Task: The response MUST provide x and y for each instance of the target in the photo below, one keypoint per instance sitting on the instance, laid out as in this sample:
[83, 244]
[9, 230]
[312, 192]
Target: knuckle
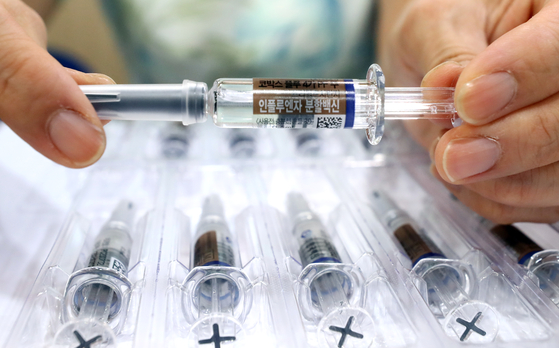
[427, 7]
[515, 190]
[13, 63]
[453, 52]
[426, 29]
[36, 22]
[544, 134]
[498, 213]
[419, 12]
[24, 17]
[494, 211]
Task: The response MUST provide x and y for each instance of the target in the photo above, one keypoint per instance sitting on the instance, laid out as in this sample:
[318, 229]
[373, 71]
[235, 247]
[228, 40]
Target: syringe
[276, 103]
[175, 140]
[214, 247]
[307, 142]
[447, 287]
[216, 294]
[451, 285]
[100, 297]
[330, 293]
[242, 143]
[332, 289]
[544, 264]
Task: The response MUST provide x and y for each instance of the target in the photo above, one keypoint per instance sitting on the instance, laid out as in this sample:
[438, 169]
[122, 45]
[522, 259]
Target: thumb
[42, 103]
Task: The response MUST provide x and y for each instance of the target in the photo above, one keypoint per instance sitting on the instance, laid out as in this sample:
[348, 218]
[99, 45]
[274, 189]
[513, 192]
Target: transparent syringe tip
[212, 207]
[388, 212]
[213, 217]
[297, 205]
[123, 215]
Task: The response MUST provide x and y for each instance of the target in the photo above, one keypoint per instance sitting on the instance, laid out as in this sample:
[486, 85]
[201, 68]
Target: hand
[501, 55]
[39, 99]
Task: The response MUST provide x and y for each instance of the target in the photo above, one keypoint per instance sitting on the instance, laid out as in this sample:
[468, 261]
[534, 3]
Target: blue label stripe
[429, 255]
[218, 263]
[327, 259]
[349, 104]
[527, 257]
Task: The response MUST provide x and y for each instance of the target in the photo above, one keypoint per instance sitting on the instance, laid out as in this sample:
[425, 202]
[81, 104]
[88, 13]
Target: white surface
[35, 195]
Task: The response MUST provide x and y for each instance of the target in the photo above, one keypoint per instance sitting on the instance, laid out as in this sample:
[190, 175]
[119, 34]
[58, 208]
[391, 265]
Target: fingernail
[481, 99]
[436, 68]
[78, 139]
[464, 158]
[433, 147]
[435, 173]
[103, 78]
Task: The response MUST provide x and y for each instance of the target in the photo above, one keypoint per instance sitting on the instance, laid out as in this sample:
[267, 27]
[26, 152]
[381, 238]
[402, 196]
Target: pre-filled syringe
[276, 103]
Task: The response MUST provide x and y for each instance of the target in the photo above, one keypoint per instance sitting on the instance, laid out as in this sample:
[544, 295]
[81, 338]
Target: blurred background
[80, 29]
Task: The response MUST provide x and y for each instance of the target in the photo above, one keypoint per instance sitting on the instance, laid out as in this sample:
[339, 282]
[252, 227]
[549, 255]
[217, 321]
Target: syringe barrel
[323, 103]
[101, 297]
[314, 243]
[184, 102]
[415, 244]
[113, 244]
[516, 242]
[214, 243]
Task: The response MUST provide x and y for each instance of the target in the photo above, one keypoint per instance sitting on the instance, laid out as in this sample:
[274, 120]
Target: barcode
[117, 265]
[329, 122]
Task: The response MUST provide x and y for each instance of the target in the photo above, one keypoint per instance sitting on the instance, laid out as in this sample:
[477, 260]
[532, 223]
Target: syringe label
[116, 265]
[300, 103]
[415, 247]
[211, 250]
[516, 242]
[109, 258]
[318, 249]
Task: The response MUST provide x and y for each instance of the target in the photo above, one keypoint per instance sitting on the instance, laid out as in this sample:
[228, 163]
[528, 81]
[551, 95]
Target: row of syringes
[450, 287]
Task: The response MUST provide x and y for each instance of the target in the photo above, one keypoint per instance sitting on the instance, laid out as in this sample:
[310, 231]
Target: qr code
[117, 265]
[329, 122]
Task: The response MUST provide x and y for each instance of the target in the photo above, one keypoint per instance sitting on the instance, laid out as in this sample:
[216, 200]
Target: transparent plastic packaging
[100, 292]
[523, 315]
[344, 296]
[542, 264]
[92, 284]
[217, 291]
[234, 248]
[450, 285]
